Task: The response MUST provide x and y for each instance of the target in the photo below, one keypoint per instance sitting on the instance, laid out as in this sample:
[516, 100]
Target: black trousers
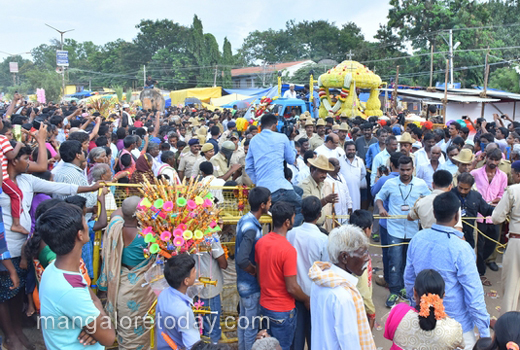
[485, 247]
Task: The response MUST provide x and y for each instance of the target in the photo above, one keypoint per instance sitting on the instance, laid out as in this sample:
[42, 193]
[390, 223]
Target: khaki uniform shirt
[187, 163]
[304, 135]
[316, 142]
[423, 211]
[224, 137]
[509, 206]
[311, 188]
[220, 165]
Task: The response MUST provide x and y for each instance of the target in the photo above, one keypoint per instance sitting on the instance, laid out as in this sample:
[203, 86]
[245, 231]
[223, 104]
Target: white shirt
[311, 245]
[215, 181]
[289, 94]
[114, 150]
[327, 152]
[334, 323]
[304, 172]
[29, 185]
[421, 157]
[156, 166]
[341, 188]
[425, 171]
[380, 159]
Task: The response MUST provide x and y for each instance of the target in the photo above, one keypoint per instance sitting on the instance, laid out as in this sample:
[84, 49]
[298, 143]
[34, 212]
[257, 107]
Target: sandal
[485, 281]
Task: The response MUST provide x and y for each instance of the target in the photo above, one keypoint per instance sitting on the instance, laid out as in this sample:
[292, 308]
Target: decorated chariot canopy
[348, 76]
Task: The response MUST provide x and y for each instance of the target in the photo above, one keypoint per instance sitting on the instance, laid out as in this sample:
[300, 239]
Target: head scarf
[142, 164]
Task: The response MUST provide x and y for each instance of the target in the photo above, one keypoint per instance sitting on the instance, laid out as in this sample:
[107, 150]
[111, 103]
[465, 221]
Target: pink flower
[178, 232]
[147, 230]
[178, 241]
[165, 236]
[168, 206]
[207, 203]
[191, 205]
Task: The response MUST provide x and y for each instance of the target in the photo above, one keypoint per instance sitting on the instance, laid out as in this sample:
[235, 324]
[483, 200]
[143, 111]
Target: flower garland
[432, 300]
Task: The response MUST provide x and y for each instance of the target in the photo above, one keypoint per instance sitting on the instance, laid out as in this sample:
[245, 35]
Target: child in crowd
[364, 220]
[174, 305]
[7, 151]
[210, 264]
[71, 314]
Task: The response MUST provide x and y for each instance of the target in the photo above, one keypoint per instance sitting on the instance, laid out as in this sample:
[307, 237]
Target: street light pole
[62, 68]
[451, 58]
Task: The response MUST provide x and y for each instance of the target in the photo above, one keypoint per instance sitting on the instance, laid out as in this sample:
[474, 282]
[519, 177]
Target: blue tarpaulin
[80, 95]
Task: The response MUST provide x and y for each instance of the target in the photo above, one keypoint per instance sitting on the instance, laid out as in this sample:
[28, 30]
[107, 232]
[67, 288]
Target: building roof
[265, 69]
[503, 95]
[440, 95]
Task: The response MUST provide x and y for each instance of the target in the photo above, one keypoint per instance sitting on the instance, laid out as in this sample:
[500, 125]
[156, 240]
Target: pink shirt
[489, 191]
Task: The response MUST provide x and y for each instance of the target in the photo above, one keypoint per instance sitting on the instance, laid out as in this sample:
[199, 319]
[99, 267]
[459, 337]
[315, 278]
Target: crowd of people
[440, 195]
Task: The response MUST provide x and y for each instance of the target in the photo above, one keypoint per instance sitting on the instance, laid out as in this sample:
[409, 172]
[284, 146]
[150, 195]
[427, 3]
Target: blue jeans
[281, 325]
[303, 328]
[383, 234]
[211, 322]
[247, 330]
[290, 197]
[396, 263]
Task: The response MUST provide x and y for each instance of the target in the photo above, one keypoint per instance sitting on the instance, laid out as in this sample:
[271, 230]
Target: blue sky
[23, 23]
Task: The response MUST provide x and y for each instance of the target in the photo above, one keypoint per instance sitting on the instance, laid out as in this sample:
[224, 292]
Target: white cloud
[23, 26]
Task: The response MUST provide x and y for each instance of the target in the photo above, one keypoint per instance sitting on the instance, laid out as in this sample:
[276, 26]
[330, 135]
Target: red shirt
[276, 259]
[138, 124]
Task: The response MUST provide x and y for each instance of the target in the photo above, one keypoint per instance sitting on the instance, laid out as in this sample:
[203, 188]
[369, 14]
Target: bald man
[425, 170]
[330, 147]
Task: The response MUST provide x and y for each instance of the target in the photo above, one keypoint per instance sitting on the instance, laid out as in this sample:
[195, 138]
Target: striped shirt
[73, 174]
[5, 147]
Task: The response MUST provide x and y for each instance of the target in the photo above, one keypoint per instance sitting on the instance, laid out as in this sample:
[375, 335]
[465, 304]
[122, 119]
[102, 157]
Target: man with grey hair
[267, 343]
[338, 313]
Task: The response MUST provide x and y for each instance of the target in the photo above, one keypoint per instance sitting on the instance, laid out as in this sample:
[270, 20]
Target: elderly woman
[122, 277]
[96, 156]
[102, 172]
[336, 305]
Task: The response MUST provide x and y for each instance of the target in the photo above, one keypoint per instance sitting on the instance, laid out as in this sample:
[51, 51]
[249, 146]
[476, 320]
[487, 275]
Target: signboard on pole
[13, 67]
[62, 58]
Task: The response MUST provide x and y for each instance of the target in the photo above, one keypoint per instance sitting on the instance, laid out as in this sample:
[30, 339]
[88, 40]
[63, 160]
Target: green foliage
[119, 92]
[506, 79]
[128, 95]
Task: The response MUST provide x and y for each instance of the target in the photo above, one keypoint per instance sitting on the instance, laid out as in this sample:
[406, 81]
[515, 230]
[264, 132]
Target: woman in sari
[122, 277]
[143, 170]
[427, 326]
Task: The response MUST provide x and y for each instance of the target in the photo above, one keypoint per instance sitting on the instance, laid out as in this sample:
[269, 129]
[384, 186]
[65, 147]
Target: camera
[288, 127]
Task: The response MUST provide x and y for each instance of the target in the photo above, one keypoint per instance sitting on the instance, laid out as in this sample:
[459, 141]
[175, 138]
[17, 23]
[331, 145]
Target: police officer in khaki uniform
[422, 209]
[231, 126]
[308, 130]
[188, 160]
[509, 206]
[313, 184]
[318, 139]
[221, 162]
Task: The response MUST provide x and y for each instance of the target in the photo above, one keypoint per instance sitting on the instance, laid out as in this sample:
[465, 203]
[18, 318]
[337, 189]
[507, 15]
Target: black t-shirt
[150, 82]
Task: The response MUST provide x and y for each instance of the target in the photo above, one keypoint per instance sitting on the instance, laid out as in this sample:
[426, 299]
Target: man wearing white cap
[126, 116]
[291, 93]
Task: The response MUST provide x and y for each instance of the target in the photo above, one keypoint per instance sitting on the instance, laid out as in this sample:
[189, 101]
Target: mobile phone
[464, 117]
[36, 124]
[503, 116]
